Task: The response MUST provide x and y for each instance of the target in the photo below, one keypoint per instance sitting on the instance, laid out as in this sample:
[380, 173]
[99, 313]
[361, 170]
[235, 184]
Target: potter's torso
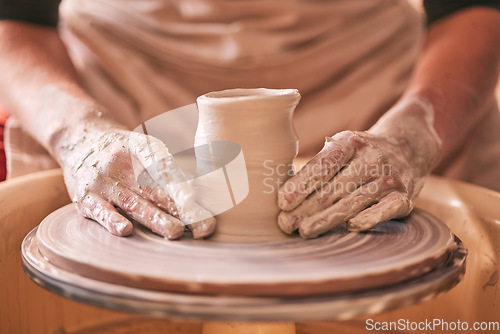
[350, 59]
[141, 58]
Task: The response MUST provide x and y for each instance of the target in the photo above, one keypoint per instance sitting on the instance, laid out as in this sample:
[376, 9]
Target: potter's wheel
[337, 276]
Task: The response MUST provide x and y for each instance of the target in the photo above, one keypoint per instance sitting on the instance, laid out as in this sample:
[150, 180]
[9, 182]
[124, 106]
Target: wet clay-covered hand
[110, 172]
[363, 178]
[99, 157]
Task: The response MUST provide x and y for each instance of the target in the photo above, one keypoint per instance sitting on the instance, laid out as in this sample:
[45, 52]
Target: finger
[322, 198]
[334, 155]
[345, 182]
[347, 207]
[146, 213]
[160, 197]
[158, 165]
[200, 221]
[165, 175]
[105, 214]
[394, 205]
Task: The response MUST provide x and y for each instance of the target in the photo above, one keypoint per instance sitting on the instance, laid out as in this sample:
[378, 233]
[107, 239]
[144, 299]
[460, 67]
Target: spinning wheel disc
[337, 262]
[228, 308]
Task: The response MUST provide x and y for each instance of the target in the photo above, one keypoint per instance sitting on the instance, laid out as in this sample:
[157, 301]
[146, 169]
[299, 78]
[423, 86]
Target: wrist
[77, 129]
[409, 125]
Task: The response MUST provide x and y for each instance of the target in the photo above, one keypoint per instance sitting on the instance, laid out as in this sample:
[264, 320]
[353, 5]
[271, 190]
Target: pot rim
[243, 94]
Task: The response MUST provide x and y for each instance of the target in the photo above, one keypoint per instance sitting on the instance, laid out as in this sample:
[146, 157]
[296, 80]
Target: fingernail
[203, 229]
[287, 222]
[172, 230]
[122, 229]
[354, 226]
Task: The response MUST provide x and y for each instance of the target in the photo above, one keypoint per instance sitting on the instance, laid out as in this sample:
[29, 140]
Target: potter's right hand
[363, 178]
[111, 172]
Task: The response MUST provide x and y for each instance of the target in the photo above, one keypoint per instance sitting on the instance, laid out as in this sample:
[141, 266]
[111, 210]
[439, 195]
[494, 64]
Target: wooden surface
[26, 308]
[337, 262]
[471, 212]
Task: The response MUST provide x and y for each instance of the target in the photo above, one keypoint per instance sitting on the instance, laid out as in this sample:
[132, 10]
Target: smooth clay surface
[337, 262]
[260, 121]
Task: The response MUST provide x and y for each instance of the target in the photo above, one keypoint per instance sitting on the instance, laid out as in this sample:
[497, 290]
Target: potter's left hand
[363, 178]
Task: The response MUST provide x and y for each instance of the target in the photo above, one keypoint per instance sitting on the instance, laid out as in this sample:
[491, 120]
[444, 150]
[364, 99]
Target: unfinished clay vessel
[260, 122]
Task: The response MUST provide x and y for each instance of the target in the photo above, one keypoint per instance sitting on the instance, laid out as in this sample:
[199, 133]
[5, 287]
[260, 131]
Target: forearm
[40, 86]
[456, 74]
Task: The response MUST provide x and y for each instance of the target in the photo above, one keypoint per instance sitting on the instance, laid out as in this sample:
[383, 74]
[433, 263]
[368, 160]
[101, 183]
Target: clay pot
[260, 122]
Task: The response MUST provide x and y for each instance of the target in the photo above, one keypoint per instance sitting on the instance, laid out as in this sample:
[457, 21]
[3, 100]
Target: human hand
[363, 178]
[110, 171]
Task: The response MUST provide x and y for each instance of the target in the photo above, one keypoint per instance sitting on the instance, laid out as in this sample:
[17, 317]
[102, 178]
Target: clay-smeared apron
[350, 59]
